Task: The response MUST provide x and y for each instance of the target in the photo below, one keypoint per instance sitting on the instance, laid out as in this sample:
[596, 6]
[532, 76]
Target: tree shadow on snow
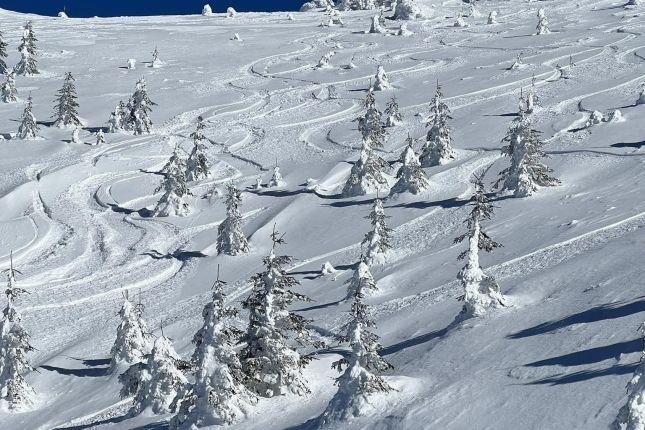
[421, 339]
[92, 372]
[143, 213]
[585, 375]
[179, 254]
[599, 313]
[637, 145]
[591, 355]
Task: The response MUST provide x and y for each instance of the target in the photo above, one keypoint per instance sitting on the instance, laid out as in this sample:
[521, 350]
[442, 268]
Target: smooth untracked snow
[77, 215]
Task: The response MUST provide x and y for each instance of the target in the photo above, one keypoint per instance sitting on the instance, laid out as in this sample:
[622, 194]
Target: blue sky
[86, 8]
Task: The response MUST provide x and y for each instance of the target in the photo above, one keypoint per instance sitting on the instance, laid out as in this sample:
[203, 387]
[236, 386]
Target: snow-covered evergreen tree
[481, 291]
[392, 113]
[230, 237]
[161, 383]
[100, 137]
[118, 119]
[543, 23]
[76, 135]
[361, 280]
[28, 125]
[207, 10]
[276, 178]
[376, 27]
[8, 90]
[371, 124]
[407, 9]
[175, 189]
[631, 415]
[366, 175]
[492, 17]
[66, 109]
[410, 177]
[155, 62]
[527, 172]
[133, 341]
[27, 65]
[218, 396]
[438, 147]
[14, 347]
[377, 240]
[530, 100]
[362, 368]
[139, 108]
[3, 55]
[271, 363]
[197, 163]
[381, 81]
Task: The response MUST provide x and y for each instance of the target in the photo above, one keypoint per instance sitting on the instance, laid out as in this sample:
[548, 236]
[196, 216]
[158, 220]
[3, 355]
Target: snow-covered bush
[324, 61]
[481, 291]
[76, 135]
[62, 14]
[132, 62]
[230, 237]
[376, 26]
[316, 4]
[492, 17]
[155, 63]
[392, 113]
[460, 21]
[230, 12]
[381, 81]
[100, 137]
[197, 163]
[207, 10]
[543, 23]
[276, 178]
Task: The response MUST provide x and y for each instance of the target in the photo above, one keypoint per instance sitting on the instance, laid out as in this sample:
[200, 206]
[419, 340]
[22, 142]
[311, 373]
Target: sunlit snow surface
[572, 262]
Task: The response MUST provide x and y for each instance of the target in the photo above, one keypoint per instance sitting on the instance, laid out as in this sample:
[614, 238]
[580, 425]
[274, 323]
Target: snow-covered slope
[572, 262]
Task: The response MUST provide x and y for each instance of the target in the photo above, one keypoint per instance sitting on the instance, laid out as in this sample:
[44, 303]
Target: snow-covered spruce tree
[366, 175]
[631, 415]
[371, 124]
[276, 178]
[218, 396]
[377, 240]
[376, 27]
[28, 125]
[139, 108]
[361, 280]
[3, 55]
[27, 65]
[8, 90]
[155, 62]
[543, 23]
[175, 190]
[230, 237]
[133, 341]
[271, 363]
[361, 376]
[197, 163]
[438, 147]
[527, 172]
[481, 291]
[207, 10]
[392, 113]
[100, 137]
[382, 82]
[530, 100]
[66, 109]
[118, 119]
[492, 17]
[410, 177]
[161, 383]
[14, 347]
[407, 9]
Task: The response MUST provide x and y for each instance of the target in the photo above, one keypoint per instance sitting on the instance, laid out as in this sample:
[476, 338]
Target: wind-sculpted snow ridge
[80, 216]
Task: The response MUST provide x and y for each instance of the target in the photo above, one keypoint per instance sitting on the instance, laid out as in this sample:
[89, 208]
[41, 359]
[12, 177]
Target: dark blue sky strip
[88, 8]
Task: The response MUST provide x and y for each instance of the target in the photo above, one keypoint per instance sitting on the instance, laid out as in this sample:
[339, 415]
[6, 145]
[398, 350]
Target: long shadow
[95, 129]
[591, 355]
[585, 375]
[322, 306]
[599, 313]
[281, 193]
[45, 123]
[151, 172]
[178, 254]
[83, 373]
[510, 114]
[421, 339]
[348, 203]
[94, 362]
[447, 203]
[636, 145]
[113, 420]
